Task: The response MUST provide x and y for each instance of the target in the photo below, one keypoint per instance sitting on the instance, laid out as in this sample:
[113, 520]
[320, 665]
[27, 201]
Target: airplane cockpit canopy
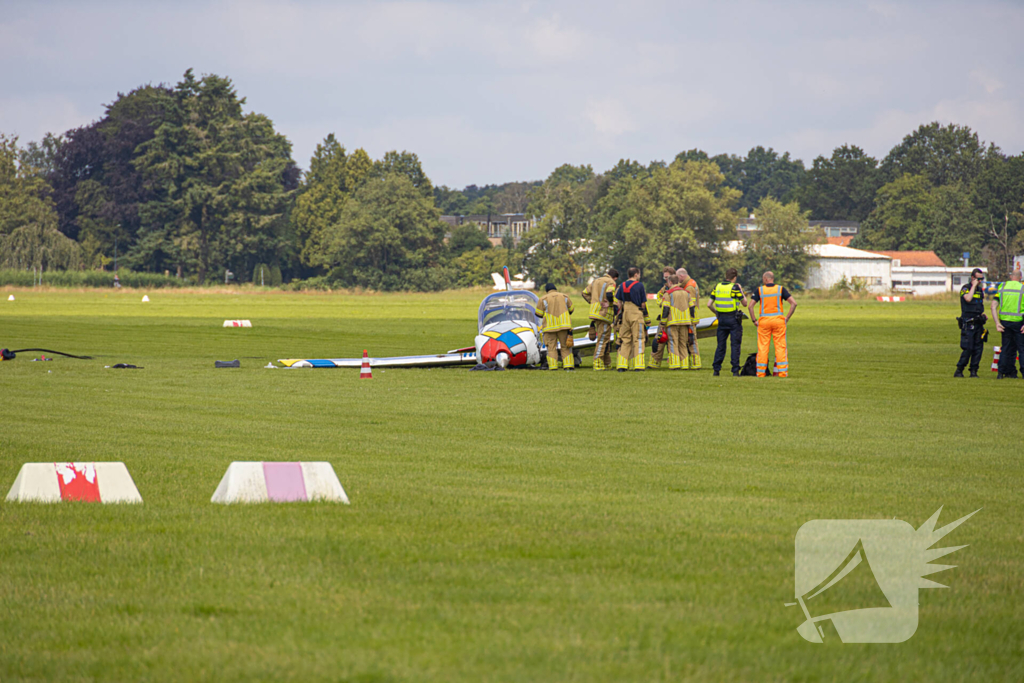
[508, 306]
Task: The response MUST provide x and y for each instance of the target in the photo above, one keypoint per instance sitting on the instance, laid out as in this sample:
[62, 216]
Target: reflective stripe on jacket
[677, 307]
[1010, 296]
[596, 293]
[771, 300]
[556, 308]
[724, 303]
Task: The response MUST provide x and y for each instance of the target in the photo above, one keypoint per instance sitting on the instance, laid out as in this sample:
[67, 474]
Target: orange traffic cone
[365, 372]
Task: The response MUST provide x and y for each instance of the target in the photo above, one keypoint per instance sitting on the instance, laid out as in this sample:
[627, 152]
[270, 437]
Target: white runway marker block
[279, 482]
[237, 323]
[145, 298]
[10, 298]
[95, 482]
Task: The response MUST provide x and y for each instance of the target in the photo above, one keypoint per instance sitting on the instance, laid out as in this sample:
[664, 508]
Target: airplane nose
[502, 359]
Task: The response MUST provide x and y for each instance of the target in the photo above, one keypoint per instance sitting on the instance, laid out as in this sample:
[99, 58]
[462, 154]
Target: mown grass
[524, 526]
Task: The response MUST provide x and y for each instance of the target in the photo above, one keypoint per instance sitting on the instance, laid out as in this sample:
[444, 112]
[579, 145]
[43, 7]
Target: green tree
[942, 154]
[467, 237]
[221, 175]
[911, 214]
[681, 215]
[333, 176]
[24, 196]
[998, 192]
[390, 237]
[900, 217]
[406, 164]
[841, 187]
[450, 202]
[782, 244]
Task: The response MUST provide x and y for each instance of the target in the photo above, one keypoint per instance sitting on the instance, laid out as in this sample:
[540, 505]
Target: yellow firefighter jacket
[596, 294]
[555, 308]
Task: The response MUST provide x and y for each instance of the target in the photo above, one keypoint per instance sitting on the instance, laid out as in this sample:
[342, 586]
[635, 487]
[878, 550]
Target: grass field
[515, 526]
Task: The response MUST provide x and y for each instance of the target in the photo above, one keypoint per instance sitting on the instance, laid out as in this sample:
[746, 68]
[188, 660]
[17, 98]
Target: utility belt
[976, 320]
[728, 314]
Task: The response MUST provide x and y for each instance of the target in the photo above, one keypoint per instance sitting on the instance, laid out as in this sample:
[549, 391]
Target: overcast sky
[492, 92]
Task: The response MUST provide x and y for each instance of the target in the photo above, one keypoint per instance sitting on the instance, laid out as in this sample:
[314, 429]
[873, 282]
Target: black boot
[959, 372]
[974, 373]
[715, 373]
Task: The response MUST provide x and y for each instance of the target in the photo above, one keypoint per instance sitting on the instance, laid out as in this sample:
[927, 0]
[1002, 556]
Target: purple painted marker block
[284, 481]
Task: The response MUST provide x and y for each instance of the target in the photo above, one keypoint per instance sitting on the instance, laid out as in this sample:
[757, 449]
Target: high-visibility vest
[599, 293]
[1010, 296]
[556, 322]
[677, 301]
[724, 303]
[771, 301]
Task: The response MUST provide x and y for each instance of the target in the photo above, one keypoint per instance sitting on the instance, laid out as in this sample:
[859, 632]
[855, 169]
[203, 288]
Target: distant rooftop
[913, 258]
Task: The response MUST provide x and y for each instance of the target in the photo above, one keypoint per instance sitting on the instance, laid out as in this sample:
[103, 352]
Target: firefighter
[556, 308]
[632, 306]
[657, 355]
[725, 301]
[600, 294]
[1009, 320]
[771, 323]
[972, 324]
[693, 353]
[676, 320]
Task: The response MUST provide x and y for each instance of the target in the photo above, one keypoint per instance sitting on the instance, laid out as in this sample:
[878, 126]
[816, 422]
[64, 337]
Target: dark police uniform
[972, 321]
[727, 297]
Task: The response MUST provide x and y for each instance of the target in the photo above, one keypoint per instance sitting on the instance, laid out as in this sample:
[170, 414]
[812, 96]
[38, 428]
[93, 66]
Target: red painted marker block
[78, 481]
[94, 482]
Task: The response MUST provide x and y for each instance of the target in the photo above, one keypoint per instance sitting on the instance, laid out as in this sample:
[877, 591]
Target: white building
[833, 263]
[923, 273]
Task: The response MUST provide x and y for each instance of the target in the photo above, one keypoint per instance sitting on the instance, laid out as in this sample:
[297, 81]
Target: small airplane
[507, 335]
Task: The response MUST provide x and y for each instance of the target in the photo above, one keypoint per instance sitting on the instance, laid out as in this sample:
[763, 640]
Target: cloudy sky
[487, 92]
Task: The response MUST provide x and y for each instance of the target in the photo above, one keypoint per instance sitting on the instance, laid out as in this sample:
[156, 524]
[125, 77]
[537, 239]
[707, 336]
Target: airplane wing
[431, 361]
[706, 327]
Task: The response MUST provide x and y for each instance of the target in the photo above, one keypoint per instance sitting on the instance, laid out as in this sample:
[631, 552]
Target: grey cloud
[488, 92]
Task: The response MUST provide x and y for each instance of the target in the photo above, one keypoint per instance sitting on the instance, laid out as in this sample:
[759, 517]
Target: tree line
[180, 179]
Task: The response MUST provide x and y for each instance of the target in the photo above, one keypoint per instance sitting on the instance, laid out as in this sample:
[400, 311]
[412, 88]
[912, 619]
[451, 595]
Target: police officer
[693, 352]
[632, 303]
[725, 301]
[556, 308]
[1009, 320]
[972, 323]
[600, 294]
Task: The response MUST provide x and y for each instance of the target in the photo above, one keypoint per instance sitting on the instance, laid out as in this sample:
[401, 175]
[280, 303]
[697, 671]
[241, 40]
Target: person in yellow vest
[600, 294]
[771, 323]
[693, 352]
[726, 299]
[556, 310]
[1009, 319]
[632, 302]
[659, 303]
[675, 318]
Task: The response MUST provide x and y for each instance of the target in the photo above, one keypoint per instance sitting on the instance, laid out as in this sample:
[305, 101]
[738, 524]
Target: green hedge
[90, 278]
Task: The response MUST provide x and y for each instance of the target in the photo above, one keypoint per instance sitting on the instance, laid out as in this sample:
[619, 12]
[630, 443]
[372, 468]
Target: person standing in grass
[632, 298]
[693, 352]
[600, 294]
[556, 310]
[972, 323]
[676, 320]
[771, 323]
[725, 301]
[1009, 319]
[659, 304]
